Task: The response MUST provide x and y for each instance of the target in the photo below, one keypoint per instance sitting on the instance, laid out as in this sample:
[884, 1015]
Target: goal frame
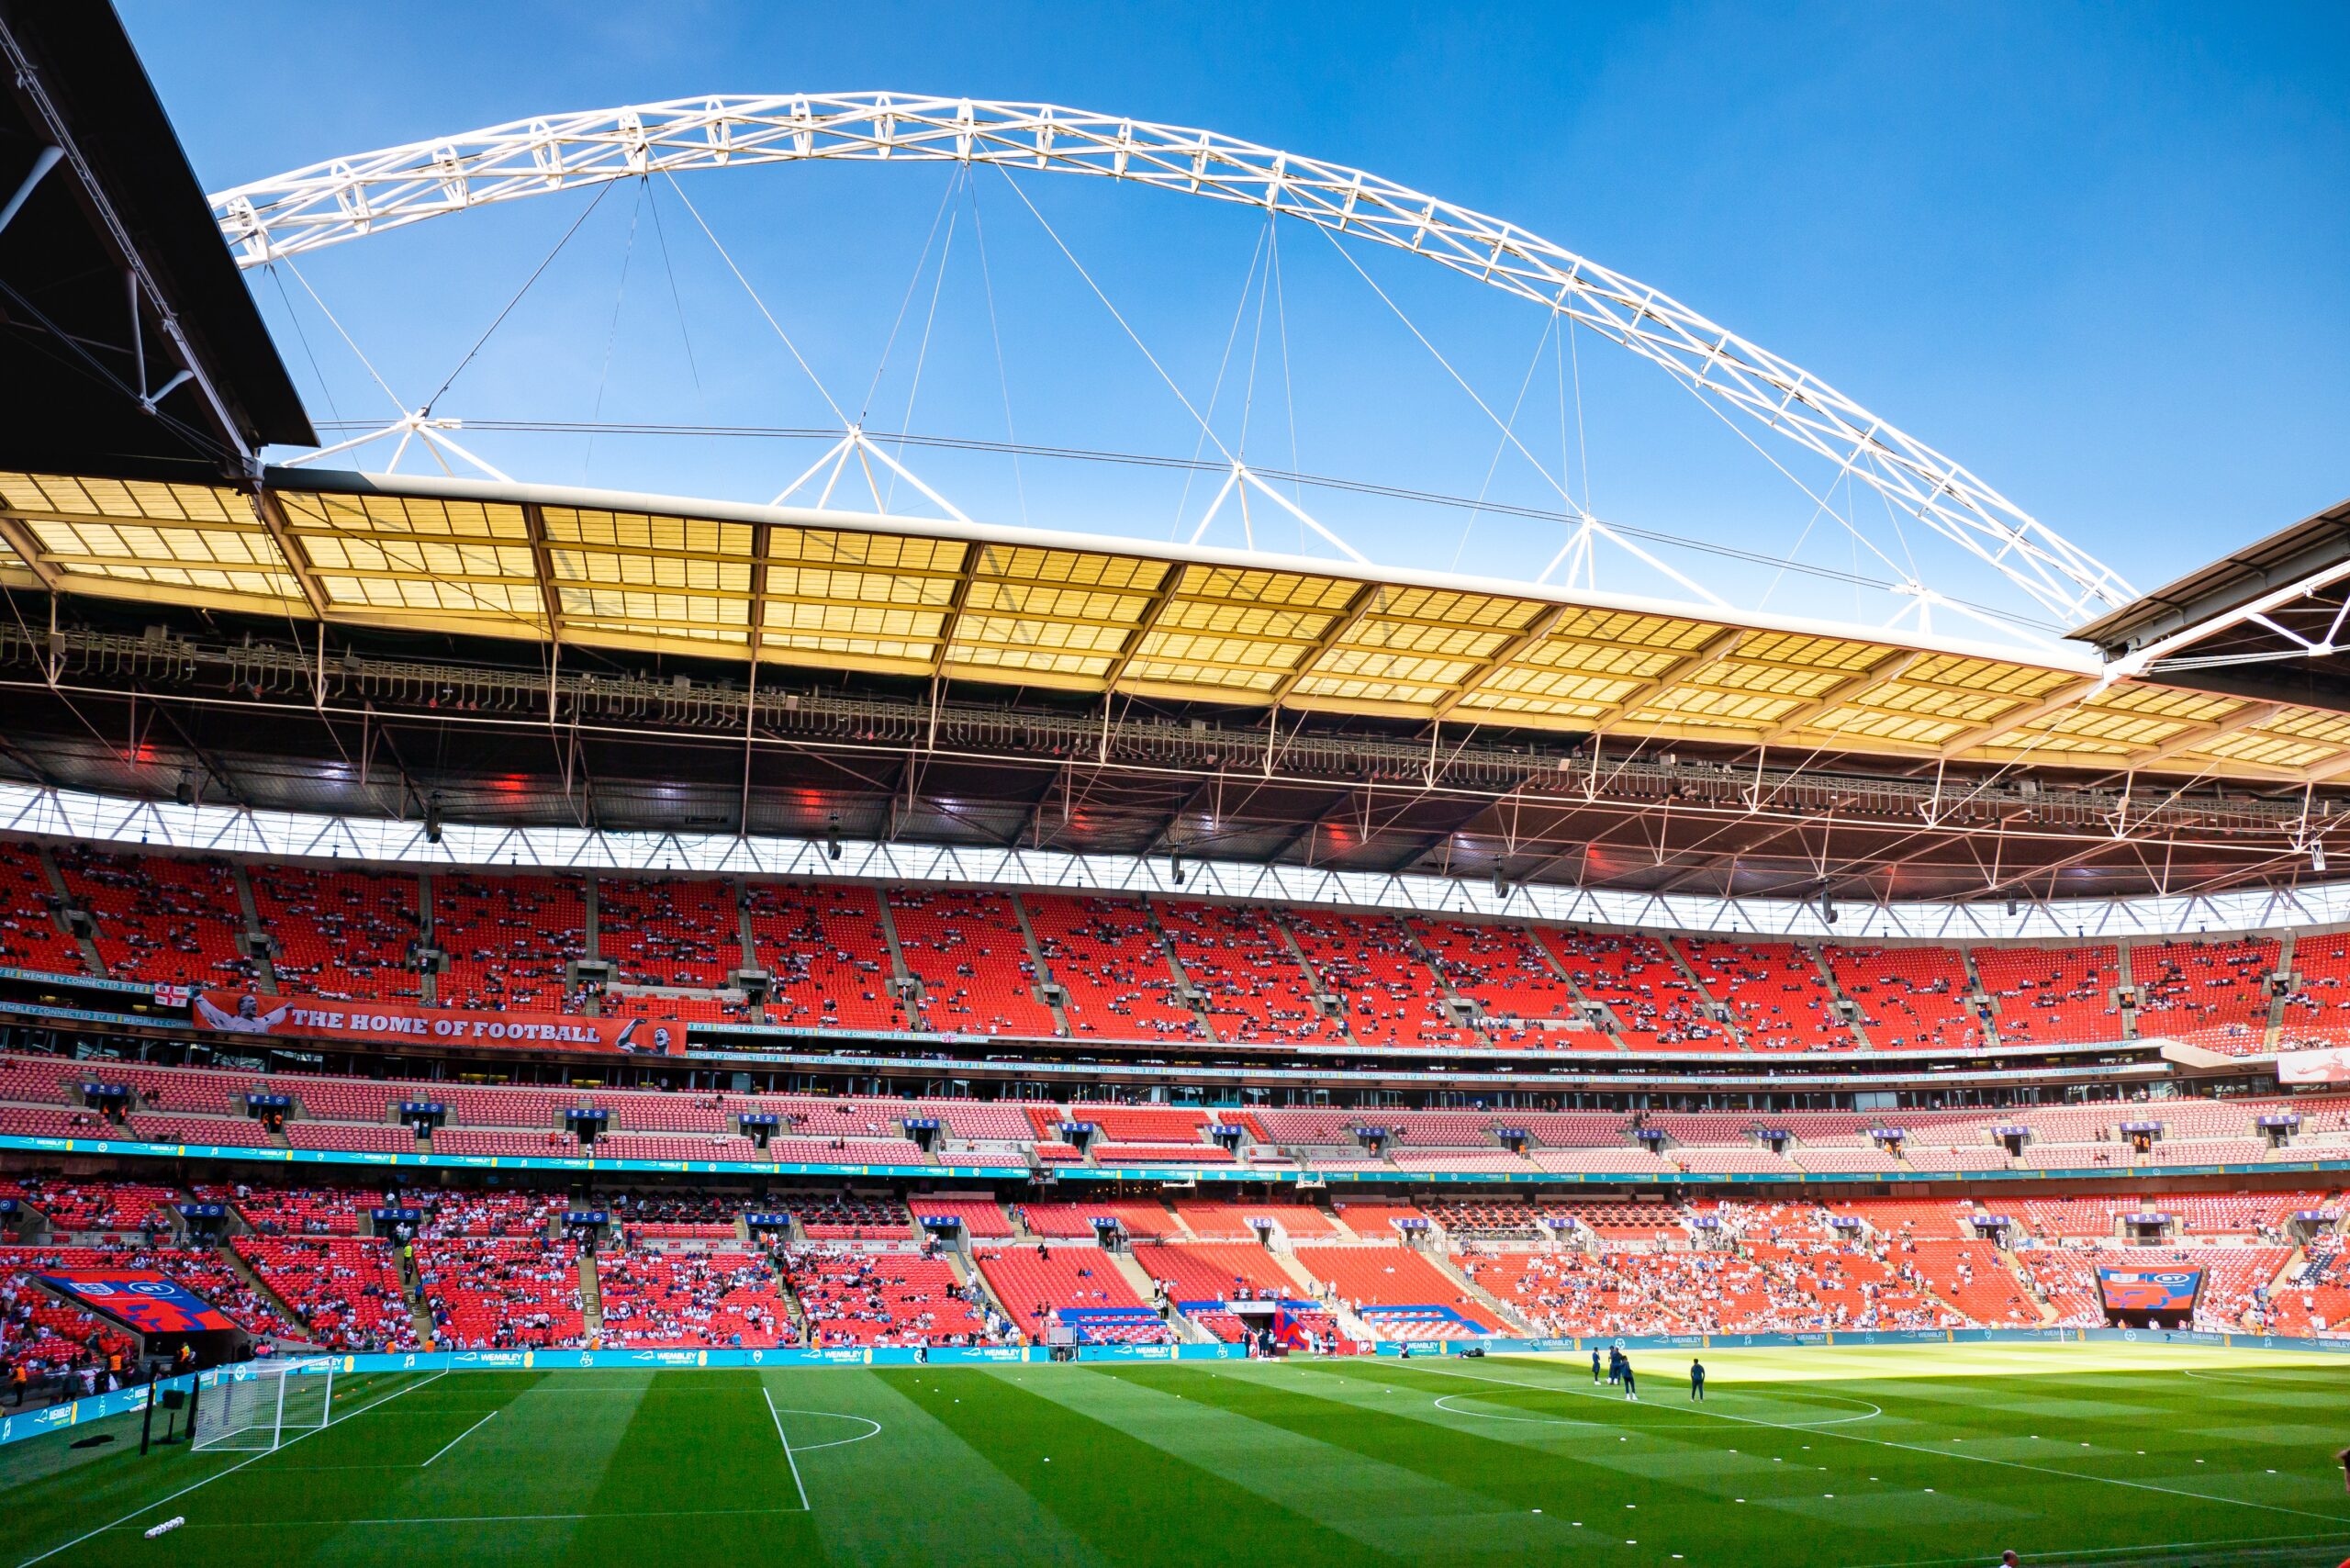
[247, 1410]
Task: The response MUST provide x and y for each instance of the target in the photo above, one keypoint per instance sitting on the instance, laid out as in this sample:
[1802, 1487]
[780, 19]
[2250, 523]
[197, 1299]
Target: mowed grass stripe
[2082, 1508]
[56, 1492]
[1383, 1506]
[694, 1440]
[914, 1495]
[1130, 1504]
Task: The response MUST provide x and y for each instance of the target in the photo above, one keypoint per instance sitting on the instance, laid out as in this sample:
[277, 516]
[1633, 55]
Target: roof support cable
[1216, 395]
[1586, 523]
[612, 332]
[777, 327]
[995, 336]
[536, 273]
[922, 350]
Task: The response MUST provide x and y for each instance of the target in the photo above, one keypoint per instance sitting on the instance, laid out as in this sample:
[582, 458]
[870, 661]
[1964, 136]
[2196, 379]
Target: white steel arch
[345, 199]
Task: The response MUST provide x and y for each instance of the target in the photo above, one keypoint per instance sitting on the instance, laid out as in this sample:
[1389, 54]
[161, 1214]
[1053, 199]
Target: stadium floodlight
[260, 1406]
[833, 837]
[432, 817]
[2317, 856]
[1175, 868]
[1827, 906]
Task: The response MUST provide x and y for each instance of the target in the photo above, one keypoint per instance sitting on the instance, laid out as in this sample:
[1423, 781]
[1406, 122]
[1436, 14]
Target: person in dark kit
[1632, 1387]
[1696, 1380]
[1594, 1366]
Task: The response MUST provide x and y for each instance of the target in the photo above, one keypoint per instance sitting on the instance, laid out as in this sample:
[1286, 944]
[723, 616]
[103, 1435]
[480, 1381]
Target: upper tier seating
[668, 930]
[344, 935]
[507, 939]
[1391, 999]
[1500, 968]
[824, 946]
[1255, 989]
[1654, 1006]
[2319, 1013]
[2213, 994]
[160, 918]
[31, 937]
[1106, 955]
[2052, 995]
[1910, 998]
[1774, 990]
[967, 948]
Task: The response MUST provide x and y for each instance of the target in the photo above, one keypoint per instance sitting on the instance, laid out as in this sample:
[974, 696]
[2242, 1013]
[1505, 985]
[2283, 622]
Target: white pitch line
[873, 1428]
[786, 1448]
[459, 1437]
[2342, 1521]
[145, 1508]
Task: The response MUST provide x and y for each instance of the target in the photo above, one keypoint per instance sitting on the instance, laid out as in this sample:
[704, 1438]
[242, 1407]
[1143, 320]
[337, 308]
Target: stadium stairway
[1146, 1288]
[1475, 1292]
[591, 1297]
[1853, 1017]
[1724, 1016]
[1036, 966]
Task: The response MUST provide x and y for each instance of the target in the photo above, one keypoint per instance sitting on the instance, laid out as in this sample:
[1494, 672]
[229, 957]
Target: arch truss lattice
[346, 198]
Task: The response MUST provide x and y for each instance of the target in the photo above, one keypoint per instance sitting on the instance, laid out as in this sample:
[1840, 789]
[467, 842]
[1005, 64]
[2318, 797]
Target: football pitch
[1914, 1457]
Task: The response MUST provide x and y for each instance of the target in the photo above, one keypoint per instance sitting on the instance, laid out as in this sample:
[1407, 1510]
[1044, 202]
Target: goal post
[262, 1406]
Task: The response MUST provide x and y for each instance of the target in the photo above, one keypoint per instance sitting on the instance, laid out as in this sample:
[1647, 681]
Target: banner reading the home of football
[295, 1017]
[148, 1301]
[2149, 1289]
[2314, 1067]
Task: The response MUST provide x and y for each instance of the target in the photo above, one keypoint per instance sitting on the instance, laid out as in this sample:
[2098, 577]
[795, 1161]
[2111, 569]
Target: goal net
[261, 1406]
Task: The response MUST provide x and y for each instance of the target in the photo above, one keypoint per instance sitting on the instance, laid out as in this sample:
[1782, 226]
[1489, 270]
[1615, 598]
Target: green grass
[1915, 1456]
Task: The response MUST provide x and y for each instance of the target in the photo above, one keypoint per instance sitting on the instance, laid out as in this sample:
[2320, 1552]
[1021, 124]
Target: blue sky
[2096, 254]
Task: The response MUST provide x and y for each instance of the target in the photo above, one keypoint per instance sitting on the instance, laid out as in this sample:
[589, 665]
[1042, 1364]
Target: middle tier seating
[1076, 1285]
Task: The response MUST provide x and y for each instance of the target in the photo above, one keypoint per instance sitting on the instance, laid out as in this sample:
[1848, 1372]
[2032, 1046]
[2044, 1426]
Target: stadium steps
[1819, 961]
[428, 981]
[1718, 1011]
[960, 1263]
[591, 1294]
[265, 965]
[1146, 1290]
[231, 1260]
[1610, 1028]
[1436, 970]
[1184, 987]
[1979, 1001]
[2272, 1035]
[2013, 1265]
[2128, 986]
[91, 961]
[1036, 964]
[1312, 976]
[591, 910]
[1475, 1292]
[750, 945]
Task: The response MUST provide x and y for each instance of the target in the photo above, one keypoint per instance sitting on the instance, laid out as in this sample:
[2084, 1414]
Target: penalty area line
[146, 1507]
[778, 1417]
[459, 1437]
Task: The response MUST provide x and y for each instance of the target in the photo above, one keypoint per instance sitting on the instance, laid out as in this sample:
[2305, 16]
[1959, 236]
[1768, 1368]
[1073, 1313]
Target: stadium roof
[2262, 621]
[173, 372]
[1021, 608]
